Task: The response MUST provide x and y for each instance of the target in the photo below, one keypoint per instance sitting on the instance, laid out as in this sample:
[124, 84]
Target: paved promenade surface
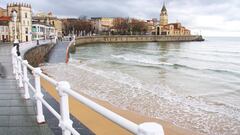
[17, 116]
[58, 53]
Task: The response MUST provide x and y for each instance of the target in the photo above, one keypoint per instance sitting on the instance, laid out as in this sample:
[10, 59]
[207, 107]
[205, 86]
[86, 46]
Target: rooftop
[41, 23]
[5, 18]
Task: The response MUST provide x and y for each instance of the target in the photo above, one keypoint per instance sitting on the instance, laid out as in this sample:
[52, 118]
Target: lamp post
[16, 42]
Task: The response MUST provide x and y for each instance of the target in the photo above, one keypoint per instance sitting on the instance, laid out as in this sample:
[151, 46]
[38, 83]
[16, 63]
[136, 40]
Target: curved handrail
[72, 42]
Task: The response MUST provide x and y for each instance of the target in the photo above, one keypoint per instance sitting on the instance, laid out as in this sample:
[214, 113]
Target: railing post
[65, 121]
[74, 40]
[20, 74]
[16, 67]
[150, 128]
[13, 59]
[38, 96]
[26, 80]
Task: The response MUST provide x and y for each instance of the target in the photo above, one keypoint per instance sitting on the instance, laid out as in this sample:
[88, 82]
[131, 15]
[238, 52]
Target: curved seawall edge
[138, 38]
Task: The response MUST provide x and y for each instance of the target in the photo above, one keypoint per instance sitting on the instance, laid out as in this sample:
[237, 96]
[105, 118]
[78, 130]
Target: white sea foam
[113, 75]
[158, 101]
[141, 59]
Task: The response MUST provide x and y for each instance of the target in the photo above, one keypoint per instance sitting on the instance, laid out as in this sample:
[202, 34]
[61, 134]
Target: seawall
[37, 54]
[136, 38]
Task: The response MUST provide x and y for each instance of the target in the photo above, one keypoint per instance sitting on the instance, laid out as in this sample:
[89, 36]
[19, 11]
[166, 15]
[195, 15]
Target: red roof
[5, 18]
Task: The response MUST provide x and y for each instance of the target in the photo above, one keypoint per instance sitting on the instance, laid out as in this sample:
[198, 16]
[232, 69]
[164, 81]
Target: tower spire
[164, 6]
[164, 15]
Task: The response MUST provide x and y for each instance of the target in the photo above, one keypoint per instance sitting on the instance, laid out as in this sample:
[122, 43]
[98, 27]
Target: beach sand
[102, 126]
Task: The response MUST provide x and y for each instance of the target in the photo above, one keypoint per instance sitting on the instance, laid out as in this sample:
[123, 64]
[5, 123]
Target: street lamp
[16, 42]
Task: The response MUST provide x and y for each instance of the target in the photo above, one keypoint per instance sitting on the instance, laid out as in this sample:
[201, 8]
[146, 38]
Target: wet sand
[102, 126]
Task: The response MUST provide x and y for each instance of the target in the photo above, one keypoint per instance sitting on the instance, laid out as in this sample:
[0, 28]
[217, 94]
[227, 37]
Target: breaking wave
[192, 85]
[155, 62]
[140, 59]
[156, 100]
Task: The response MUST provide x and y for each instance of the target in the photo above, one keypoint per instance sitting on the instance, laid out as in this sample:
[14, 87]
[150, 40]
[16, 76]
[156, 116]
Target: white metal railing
[64, 90]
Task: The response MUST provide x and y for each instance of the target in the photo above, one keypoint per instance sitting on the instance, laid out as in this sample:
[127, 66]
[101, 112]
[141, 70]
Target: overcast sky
[211, 17]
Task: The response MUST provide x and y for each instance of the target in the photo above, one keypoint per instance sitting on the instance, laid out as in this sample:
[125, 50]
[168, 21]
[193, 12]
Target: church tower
[163, 16]
[24, 21]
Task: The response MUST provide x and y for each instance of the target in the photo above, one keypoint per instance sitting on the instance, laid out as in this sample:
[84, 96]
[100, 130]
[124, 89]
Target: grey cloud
[186, 11]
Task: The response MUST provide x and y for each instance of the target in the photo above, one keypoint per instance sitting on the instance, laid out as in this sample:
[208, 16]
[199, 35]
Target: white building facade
[42, 31]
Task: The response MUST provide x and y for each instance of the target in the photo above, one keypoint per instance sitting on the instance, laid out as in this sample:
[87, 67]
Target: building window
[26, 30]
[26, 15]
[34, 29]
[7, 29]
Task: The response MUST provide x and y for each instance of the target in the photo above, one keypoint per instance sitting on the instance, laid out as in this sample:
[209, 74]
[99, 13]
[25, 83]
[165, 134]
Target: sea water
[194, 85]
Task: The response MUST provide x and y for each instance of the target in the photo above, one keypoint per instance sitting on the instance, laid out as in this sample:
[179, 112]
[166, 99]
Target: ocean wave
[186, 51]
[157, 89]
[201, 59]
[152, 100]
[160, 90]
[113, 75]
[225, 71]
[141, 59]
[213, 53]
[156, 63]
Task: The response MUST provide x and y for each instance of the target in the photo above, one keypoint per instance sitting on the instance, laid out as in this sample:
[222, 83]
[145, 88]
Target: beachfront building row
[154, 27]
[25, 29]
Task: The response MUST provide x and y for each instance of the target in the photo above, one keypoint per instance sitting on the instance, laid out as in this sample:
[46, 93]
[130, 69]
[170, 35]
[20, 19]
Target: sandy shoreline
[102, 126]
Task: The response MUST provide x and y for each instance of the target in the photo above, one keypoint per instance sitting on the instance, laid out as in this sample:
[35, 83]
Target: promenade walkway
[17, 115]
[58, 53]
